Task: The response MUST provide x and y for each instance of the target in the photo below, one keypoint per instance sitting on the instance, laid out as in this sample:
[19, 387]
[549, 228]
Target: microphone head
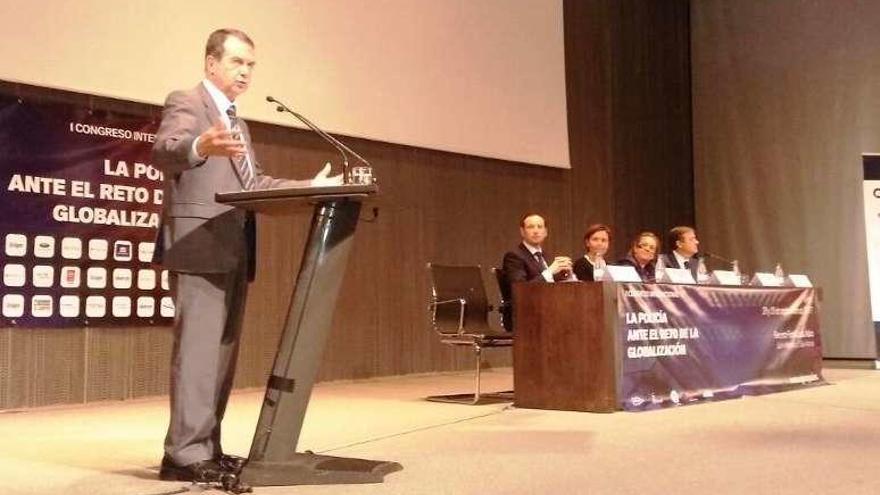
[270, 99]
[279, 108]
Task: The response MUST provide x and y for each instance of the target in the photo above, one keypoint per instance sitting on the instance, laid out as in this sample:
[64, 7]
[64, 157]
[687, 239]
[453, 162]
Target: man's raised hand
[218, 140]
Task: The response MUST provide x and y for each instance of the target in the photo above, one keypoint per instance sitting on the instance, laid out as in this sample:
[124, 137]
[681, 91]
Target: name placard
[766, 279]
[625, 273]
[725, 277]
[798, 280]
[679, 276]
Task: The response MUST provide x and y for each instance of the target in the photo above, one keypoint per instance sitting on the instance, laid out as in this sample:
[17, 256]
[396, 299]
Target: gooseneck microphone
[342, 148]
[707, 254]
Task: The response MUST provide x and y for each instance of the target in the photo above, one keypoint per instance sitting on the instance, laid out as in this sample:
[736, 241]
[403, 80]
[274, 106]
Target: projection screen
[480, 77]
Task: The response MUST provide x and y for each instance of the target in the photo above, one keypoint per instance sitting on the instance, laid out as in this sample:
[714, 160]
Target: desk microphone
[707, 254]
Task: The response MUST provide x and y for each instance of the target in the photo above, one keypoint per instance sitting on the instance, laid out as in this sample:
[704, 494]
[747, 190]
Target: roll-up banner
[79, 211]
[871, 193]
[683, 344]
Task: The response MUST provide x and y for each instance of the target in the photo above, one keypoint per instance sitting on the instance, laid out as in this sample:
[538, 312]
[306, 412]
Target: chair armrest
[433, 307]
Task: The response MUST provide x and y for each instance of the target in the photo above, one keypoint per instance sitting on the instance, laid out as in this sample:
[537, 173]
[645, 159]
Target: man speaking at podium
[203, 148]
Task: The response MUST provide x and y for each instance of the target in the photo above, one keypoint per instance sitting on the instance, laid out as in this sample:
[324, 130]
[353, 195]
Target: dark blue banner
[682, 344]
[80, 210]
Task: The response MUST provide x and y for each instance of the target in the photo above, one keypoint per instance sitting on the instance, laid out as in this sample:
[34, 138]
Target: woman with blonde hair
[643, 255]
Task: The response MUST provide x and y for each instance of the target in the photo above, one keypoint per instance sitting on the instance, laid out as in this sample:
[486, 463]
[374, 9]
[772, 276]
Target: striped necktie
[540, 257]
[242, 163]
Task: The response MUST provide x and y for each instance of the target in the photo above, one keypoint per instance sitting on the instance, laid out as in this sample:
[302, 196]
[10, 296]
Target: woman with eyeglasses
[643, 255]
[596, 241]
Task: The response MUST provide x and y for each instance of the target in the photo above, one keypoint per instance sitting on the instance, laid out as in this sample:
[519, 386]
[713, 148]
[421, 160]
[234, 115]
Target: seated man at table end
[683, 248]
[529, 262]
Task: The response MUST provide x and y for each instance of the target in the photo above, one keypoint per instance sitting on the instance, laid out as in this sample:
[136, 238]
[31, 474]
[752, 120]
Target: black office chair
[505, 309]
[460, 316]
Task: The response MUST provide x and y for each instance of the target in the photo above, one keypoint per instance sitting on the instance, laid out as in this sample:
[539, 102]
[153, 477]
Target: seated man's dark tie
[540, 257]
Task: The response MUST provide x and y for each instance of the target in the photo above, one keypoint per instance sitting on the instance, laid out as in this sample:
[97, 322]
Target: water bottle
[734, 267]
[599, 268]
[779, 274]
[702, 272]
[659, 269]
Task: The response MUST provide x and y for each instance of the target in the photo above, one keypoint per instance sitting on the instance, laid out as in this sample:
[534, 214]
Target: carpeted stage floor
[821, 440]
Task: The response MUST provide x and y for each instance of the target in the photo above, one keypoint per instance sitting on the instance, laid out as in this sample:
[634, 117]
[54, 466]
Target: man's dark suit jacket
[519, 265]
[670, 261]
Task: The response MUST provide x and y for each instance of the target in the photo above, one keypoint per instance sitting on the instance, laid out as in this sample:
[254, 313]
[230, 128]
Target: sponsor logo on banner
[145, 251]
[636, 400]
[166, 307]
[122, 278]
[98, 249]
[14, 275]
[146, 279]
[68, 306]
[96, 306]
[146, 307]
[41, 306]
[122, 251]
[16, 245]
[71, 248]
[70, 277]
[43, 276]
[13, 305]
[44, 246]
[121, 306]
[96, 277]
[675, 397]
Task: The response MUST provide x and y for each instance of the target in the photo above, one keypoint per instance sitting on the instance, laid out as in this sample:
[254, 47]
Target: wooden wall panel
[652, 157]
[629, 128]
[58, 366]
[108, 360]
[148, 370]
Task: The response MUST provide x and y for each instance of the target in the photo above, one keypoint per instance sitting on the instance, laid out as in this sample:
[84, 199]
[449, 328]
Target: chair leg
[478, 354]
[477, 396]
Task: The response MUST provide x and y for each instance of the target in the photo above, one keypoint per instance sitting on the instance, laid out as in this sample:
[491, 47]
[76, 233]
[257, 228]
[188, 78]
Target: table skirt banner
[682, 344]
[80, 207]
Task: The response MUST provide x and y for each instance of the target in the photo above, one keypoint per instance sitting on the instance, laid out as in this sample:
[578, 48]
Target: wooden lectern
[565, 354]
[273, 459]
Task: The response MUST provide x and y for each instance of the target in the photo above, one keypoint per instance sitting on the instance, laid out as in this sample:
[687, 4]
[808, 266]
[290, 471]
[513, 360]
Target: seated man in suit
[528, 262]
[683, 248]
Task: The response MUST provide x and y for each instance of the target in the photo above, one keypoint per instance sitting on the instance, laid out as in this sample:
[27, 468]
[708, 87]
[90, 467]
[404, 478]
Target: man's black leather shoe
[198, 472]
[231, 463]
